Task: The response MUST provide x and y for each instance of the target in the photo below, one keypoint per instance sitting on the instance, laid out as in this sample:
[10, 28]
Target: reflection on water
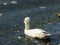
[12, 26]
[32, 41]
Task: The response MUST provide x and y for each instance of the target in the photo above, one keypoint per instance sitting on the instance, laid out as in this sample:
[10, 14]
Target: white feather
[39, 33]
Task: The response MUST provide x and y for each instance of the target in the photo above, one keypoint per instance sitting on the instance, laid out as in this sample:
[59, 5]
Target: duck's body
[35, 33]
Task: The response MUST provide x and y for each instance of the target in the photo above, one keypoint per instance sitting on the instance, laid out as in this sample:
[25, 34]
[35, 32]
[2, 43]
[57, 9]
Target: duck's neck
[27, 26]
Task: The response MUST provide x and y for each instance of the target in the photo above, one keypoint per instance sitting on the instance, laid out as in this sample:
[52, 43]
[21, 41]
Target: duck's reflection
[32, 41]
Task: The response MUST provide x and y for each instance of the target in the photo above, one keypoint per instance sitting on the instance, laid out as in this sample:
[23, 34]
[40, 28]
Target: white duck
[34, 33]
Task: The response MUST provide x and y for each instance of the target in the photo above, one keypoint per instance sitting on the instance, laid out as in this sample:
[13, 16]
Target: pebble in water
[19, 37]
[42, 7]
[17, 31]
[5, 3]
[1, 14]
[58, 15]
[13, 2]
[49, 23]
[58, 44]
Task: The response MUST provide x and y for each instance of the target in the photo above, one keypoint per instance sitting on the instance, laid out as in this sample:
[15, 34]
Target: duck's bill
[49, 34]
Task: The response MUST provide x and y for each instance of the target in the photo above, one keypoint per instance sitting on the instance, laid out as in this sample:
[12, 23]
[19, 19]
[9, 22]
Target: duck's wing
[34, 32]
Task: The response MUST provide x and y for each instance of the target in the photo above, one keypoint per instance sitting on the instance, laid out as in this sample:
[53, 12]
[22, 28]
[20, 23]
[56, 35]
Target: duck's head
[27, 20]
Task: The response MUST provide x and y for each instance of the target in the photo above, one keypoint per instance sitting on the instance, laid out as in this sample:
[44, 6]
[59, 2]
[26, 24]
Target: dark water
[42, 16]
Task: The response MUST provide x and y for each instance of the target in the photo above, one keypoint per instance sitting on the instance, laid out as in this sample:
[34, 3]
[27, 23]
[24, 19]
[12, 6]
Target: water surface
[42, 16]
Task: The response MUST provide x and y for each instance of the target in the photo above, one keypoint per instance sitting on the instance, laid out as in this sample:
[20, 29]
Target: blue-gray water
[11, 21]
